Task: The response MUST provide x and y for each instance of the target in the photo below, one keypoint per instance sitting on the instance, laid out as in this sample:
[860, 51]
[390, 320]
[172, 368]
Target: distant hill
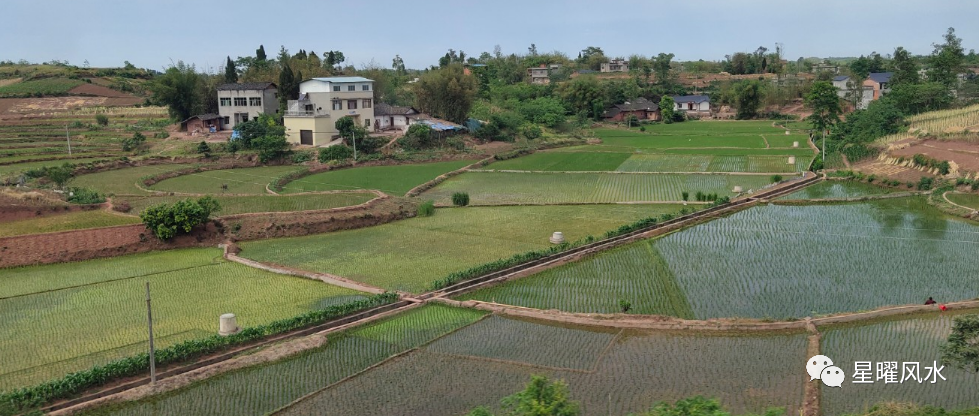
[29, 80]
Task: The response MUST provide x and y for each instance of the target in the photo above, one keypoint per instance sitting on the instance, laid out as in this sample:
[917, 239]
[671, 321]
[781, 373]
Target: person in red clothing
[942, 307]
[930, 301]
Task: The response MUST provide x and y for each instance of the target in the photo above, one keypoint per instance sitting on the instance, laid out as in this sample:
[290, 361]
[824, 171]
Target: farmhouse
[642, 108]
[311, 119]
[615, 65]
[539, 75]
[245, 101]
[696, 104]
[389, 117]
[875, 86]
[203, 123]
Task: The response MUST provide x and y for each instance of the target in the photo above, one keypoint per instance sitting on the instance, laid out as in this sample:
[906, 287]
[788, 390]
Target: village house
[642, 108]
[238, 103]
[311, 120]
[539, 75]
[875, 86]
[692, 104]
[389, 117]
[615, 65]
[204, 123]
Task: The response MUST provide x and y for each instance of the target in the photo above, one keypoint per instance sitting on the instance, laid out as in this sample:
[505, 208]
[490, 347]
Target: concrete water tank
[791, 160]
[738, 189]
[795, 144]
[229, 325]
[557, 237]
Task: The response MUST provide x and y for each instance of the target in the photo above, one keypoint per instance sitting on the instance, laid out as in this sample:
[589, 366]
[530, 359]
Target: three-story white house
[311, 120]
[238, 103]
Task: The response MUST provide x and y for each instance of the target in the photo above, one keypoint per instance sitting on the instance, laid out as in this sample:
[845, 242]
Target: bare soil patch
[98, 91]
[964, 154]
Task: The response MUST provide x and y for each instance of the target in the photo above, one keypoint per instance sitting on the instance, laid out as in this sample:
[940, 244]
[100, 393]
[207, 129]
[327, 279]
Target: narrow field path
[945, 197]
[617, 172]
[323, 277]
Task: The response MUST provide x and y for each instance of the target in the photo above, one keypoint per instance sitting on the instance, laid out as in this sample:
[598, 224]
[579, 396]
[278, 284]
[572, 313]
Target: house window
[337, 105]
[227, 120]
[241, 101]
[366, 87]
[225, 102]
[255, 118]
[366, 103]
[367, 122]
[255, 101]
[336, 88]
[351, 104]
[351, 88]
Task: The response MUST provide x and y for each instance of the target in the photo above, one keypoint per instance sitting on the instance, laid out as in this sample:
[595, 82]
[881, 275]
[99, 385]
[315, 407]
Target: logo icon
[820, 367]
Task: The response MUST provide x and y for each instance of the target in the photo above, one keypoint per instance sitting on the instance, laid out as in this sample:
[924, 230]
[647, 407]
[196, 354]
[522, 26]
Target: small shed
[204, 123]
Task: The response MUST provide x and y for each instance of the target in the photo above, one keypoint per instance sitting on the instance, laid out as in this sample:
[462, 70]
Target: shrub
[102, 119]
[270, 148]
[84, 196]
[59, 175]
[161, 135]
[133, 143]
[426, 209]
[925, 183]
[532, 132]
[975, 186]
[460, 199]
[203, 148]
[625, 305]
[368, 145]
[168, 220]
[303, 156]
[337, 152]
[685, 195]
[642, 128]
[776, 178]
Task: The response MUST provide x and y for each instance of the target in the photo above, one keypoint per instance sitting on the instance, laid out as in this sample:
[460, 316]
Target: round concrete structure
[557, 237]
[229, 325]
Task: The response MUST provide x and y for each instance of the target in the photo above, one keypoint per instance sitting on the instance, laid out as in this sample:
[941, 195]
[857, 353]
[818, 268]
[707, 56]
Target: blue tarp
[440, 126]
[235, 135]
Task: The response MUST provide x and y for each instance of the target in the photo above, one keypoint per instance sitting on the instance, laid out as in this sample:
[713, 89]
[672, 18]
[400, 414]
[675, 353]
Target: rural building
[695, 104]
[468, 68]
[616, 65]
[824, 67]
[642, 108]
[245, 101]
[880, 82]
[312, 118]
[875, 86]
[539, 75]
[389, 117]
[204, 123]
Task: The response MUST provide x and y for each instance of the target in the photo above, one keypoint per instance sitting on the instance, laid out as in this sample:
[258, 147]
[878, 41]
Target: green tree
[230, 72]
[947, 60]
[398, 65]
[250, 130]
[134, 143]
[542, 397]
[694, 406]
[825, 106]
[905, 68]
[961, 350]
[446, 93]
[60, 175]
[102, 120]
[166, 221]
[747, 98]
[180, 89]
[918, 98]
[583, 94]
[345, 125]
[661, 66]
[287, 83]
[204, 149]
[666, 105]
[271, 147]
[260, 55]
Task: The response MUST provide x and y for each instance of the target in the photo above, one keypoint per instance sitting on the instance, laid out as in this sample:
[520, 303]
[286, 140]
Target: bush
[625, 305]
[925, 183]
[59, 175]
[460, 199]
[203, 148]
[685, 195]
[122, 206]
[84, 196]
[270, 148]
[532, 132]
[776, 178]
[303, 156]
[336, 152]
[102, 119]
[426, 209]
[161, 135]
[642, 128]
[168, 220]
[369, 145]
[134, 143]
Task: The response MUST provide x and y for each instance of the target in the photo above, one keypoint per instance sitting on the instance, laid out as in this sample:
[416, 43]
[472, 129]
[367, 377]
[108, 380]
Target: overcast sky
[151, 34]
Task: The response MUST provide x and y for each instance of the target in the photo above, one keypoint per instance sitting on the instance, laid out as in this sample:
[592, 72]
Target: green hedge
[35, 396]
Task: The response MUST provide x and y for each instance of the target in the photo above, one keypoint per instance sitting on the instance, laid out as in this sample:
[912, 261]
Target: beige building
[242, 102]
[615, 65]
[311, 119]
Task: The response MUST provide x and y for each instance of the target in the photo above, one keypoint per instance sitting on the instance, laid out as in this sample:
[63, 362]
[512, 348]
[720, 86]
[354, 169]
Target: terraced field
[67, 317]
[231, 205]
[72, 221]
[838, 190]
[966, 200]
[43, 138]
[915, 340]
[393, 180]
[409, 255]
[504, 188]
[768, 261]
[238, 181]
[608, 372]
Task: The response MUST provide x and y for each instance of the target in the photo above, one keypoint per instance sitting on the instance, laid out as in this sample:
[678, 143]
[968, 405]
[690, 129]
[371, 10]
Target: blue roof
[691, 99]
[841, 78]
[880, 77]
[342, 79]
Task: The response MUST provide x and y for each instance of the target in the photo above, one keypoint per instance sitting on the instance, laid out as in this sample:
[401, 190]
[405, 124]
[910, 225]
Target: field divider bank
[572, 254]
[619, 172]
[230, 255]
[443, 177]
[811, 396]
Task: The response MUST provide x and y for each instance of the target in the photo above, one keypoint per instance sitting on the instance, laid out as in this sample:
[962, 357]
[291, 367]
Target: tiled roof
[245, 86]
[691, 99]
[841, 78]
[340, 80]
[880, 77]
[382, 109]
[204, 117]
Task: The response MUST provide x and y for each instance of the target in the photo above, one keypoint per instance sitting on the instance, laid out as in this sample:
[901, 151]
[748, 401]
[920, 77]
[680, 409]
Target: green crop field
[393, 180]
[67, 317]
[635, 273]
[564, 161]
[409, 255]
[263, 389]
[902, 341]
[500, 188]
[238, 181]
[710, 163]
[123, 181]
[714, 128]
[45, 86]
[72, 221]
[260, 203]
[838, 190]
[767, 262]
[782, 140]
[11, 169]
[607, 373]
[623, 138]
[966, 200]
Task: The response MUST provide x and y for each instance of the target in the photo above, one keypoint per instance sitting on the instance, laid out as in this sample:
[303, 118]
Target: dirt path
[846, 161]
[945, 197]
[324, 277]
[767, 145]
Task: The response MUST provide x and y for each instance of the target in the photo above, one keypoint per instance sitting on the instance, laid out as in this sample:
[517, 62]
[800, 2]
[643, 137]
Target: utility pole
[68, 138]
[353, 138]
[149, 318]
